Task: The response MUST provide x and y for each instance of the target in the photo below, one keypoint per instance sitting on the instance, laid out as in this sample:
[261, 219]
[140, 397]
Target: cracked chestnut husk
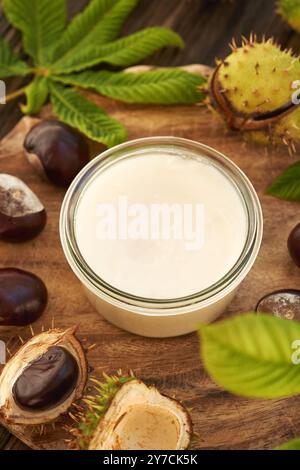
[22, 215]
[293, 244]
[23, 297]
[56, 151]
[43, 379]
[252, 90]
[126, 414]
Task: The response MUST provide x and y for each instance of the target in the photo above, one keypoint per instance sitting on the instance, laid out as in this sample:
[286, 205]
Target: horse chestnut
[281, 303]
[47, 381]
[43, 378]
[22, 215]
[294, 245]
[56, 151]
[23, 297]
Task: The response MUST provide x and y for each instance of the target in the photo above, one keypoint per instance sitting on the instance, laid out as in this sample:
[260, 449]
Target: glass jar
[161, 317]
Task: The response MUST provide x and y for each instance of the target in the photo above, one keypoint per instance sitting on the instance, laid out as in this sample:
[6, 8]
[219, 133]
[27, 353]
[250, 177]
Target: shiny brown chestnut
[56, 151]
[47, 381]
[283, 303]
[293, 244]
[22, 215]
[43, 378]
[23, 297]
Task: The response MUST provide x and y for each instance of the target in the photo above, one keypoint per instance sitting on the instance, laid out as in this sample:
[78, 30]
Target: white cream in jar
[162, 268]
[156, 285]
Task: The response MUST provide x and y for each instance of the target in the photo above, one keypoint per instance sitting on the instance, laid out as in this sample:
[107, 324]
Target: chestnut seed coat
[56, 151]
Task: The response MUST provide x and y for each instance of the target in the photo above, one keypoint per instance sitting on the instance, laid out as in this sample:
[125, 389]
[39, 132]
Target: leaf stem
[15, 94]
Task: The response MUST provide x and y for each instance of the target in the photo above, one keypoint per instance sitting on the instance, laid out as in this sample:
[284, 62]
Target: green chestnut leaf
[36, 94]
[253, 355]
[10, 63]
[57, 49]
[122, 52]
[287, 185]
[167, 86]
[76, 111]
[99, 23]
[294, 444]
[40, 21]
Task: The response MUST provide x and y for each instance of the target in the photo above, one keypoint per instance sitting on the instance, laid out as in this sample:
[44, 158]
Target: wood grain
[222, 421]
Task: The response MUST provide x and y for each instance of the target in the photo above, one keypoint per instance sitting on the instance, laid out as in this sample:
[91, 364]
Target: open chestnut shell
[47, 381]
[126, 414]
[56, 151]
[42, 380]
[141, 418]
[23, 297]
[22, 215]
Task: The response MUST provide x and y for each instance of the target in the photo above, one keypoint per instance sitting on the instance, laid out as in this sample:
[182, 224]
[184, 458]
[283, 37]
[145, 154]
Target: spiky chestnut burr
[253, 91]
[126, 414]
[290, 12]
[43, 379]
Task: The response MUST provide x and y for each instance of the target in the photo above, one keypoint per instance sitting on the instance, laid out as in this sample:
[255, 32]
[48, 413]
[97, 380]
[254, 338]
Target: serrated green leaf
[168, 86]
[252, 355]
[123, 52]
[10, 63]
[40, 21]
[287, 185]
[36, 94]
[75, 110]
[99, 23]
[294, 444]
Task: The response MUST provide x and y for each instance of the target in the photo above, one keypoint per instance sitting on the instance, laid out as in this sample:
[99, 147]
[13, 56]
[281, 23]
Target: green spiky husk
[290, 12]
[258, 76]
[256, 79]
[96, 408]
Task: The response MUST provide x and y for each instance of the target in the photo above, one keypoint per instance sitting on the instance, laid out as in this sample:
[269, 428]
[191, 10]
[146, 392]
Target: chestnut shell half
[43, 401]
[141, 418]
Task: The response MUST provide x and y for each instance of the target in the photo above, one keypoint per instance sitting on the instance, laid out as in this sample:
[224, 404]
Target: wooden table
[206, 26]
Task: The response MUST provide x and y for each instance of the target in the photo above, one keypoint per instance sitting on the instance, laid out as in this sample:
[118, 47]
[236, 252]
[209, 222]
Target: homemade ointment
[162, 268]
[161, 231]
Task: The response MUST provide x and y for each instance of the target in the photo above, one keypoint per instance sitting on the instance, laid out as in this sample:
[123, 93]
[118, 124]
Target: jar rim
[226, 284]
